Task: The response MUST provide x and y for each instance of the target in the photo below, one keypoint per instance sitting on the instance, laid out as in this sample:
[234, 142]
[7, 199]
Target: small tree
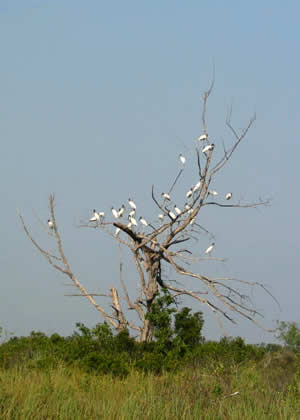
[289, 334]
[158, 244]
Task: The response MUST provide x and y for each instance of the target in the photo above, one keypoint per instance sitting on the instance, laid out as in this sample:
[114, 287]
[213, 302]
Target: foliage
[206, 392]
[289, 334]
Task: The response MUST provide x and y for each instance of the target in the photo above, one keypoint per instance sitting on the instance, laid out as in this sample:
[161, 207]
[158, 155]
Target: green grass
[269, 389]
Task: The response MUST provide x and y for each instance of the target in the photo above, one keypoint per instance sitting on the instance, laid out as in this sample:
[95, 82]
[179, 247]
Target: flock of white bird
[174, 215]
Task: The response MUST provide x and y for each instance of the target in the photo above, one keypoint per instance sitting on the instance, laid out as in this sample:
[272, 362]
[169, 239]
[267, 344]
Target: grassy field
[269, 389]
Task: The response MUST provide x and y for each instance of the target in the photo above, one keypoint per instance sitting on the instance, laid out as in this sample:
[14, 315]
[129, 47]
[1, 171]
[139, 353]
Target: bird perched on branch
[50, 224]
[132, 220]
[197, 186]
[189, 193]
[172, 215]
[203, 137]
[132, 204]
[121, 210]
[208, 148]
[213, 193]
[95, 217]
[210, 249]
[143, 221]
[228, 196]
[177, 210]
[182, 159]
[115, 213]
[166, 196]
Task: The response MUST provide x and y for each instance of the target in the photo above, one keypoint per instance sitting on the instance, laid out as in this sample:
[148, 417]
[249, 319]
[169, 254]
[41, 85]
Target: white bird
[203, 137]
[121, 210]
[132, 221]
[161, 216]
[143, 221]
[192, 221]
[210, 249]
[129, 225]
[115, 213]
[95, 217]
[172, 215]
[190, 211]
[101, 214]
[166, 196]
[182, 159]
[213, 193]
[187, 206]
[228, 196]
[50, 224]
[132, 204]
[208, 148]
[197, 186]
[117, 231]
[132, 213]
[189, 193]
[178, 211]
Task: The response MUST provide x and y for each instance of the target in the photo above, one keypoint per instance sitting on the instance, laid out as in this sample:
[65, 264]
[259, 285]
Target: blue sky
[97, 101]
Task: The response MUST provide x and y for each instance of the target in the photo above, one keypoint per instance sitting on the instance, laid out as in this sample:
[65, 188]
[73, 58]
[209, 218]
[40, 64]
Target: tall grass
[269, 389]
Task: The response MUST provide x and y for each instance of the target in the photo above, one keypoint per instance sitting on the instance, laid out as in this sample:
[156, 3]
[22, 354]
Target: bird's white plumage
[50, 224]
[172, 215]
[121, 211]
[101, 214]
[95, 217]
[210, 249]
[208, 148]
[132, 221]
[197, 186]
[117, 231]
[132, 212]
[166, 196]
[203, 137]
[161, 216]
[228, 196]
[177, 210]
[143, 221]
[189, 193]
[115, 213]
[182, 159]
[132, 204]
[214, 193]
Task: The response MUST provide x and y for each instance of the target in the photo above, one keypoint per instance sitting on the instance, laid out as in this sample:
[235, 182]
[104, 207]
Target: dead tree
[159, 244]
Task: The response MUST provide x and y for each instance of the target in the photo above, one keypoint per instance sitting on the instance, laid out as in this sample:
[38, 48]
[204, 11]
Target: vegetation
[96, 374]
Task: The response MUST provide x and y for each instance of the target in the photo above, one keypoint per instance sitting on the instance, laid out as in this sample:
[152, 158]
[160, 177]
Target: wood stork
[210, 249]
[101, 214]
[132, 213]
[228, 196]
[189, 193]
[172, 215]
[213, 193]
[177, 210]
[117, 231]
[166, 196]
[115, 213]
[143, 221]
[121, 210]
[203, 137]
[197, 186]
[132, 204]
[208, 148]
[50, 224]
[182, 159]
[95, 217]
[132, 220]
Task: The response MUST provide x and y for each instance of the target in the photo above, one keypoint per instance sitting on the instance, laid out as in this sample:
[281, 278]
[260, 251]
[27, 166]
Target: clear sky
[99, 98]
